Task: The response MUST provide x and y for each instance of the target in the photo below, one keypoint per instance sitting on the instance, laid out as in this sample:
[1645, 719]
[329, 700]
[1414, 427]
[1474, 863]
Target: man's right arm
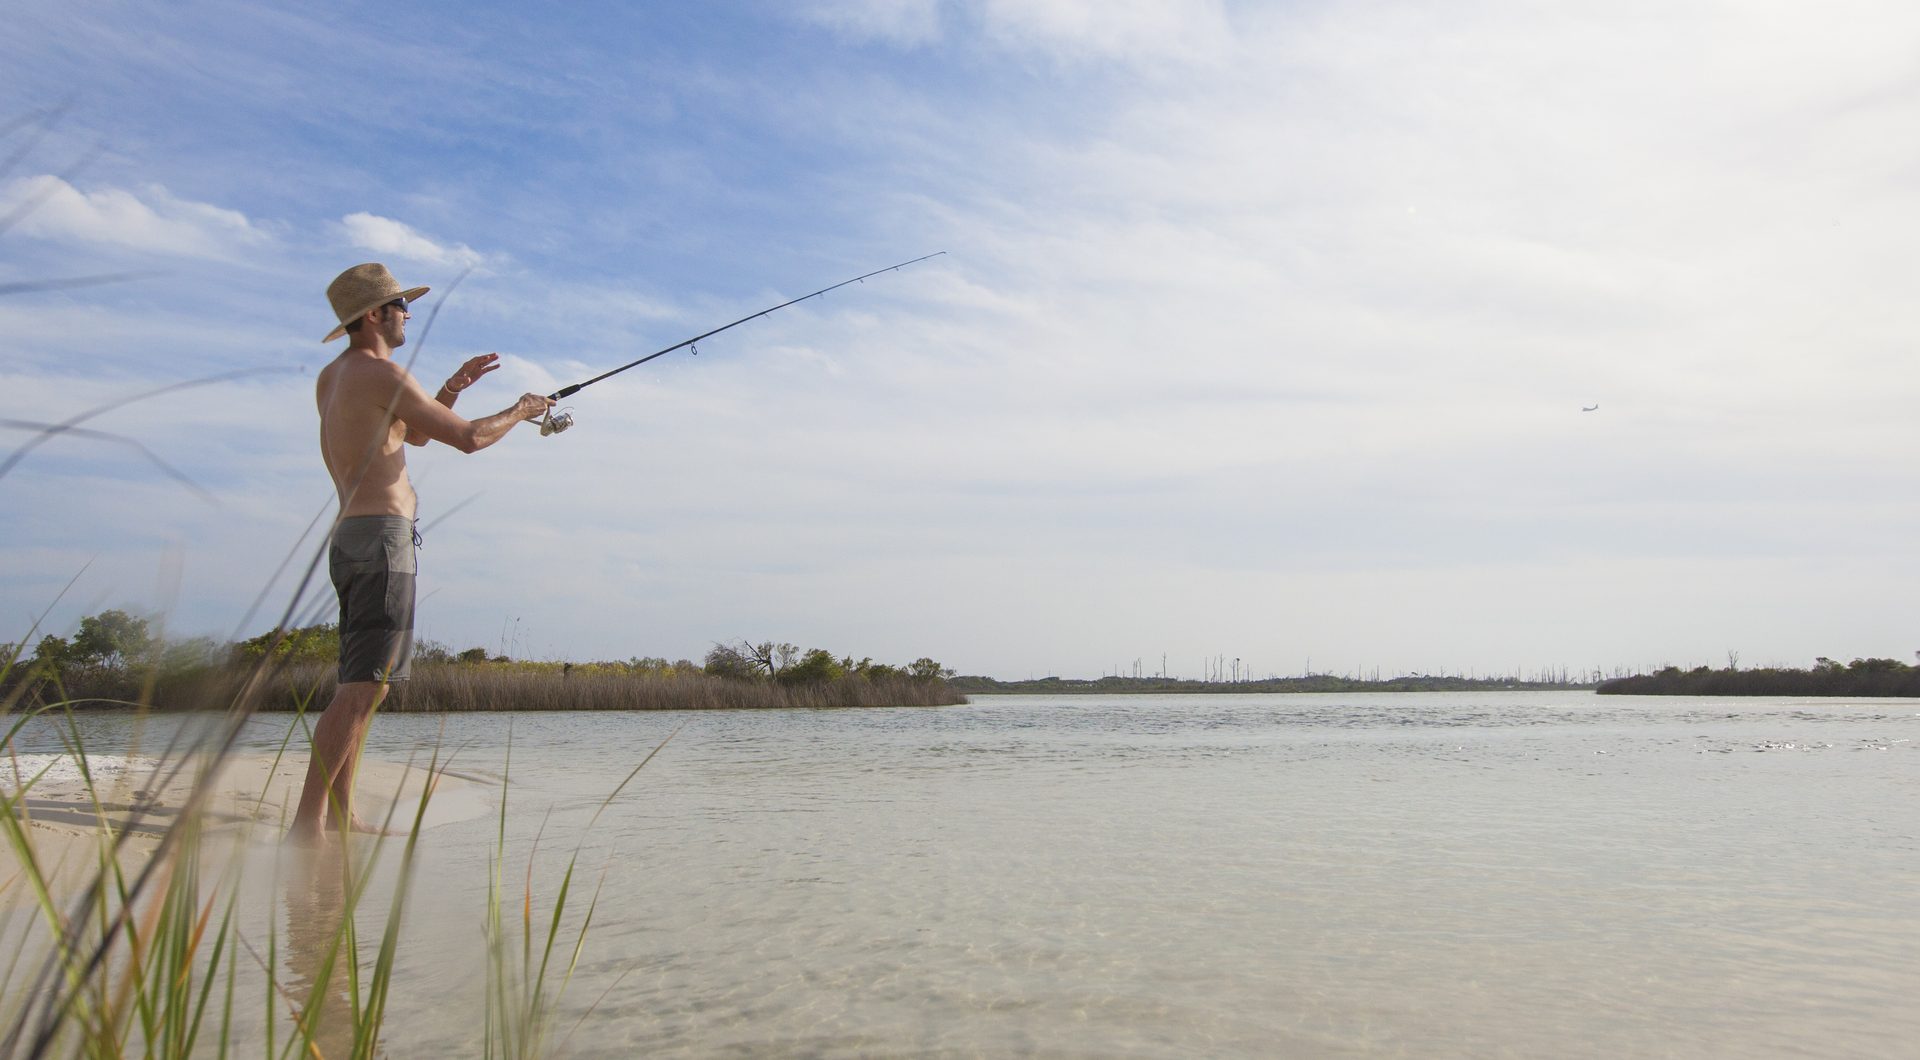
[421, 413]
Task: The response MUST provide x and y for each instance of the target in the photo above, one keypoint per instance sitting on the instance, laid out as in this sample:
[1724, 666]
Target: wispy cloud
[1124, 30]
[388, 237]
[150, 219]
[899, 22]
[1115, 29]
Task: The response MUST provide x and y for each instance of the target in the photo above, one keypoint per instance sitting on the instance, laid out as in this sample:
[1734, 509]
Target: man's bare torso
[363, 443]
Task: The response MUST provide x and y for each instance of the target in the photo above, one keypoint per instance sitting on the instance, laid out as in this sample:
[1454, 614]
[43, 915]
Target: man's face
[393, 323]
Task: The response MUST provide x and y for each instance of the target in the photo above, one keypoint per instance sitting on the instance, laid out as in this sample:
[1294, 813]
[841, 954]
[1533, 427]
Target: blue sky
[1264, 331]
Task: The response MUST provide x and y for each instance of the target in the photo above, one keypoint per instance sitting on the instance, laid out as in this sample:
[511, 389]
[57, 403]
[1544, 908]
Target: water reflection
[316, 883]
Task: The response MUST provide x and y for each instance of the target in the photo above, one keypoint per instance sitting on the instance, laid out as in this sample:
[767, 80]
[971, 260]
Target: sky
[1263, 331]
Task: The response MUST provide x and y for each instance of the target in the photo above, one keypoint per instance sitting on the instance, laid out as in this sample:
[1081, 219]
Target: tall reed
[159, 972]
[147, 960]
[459, 687]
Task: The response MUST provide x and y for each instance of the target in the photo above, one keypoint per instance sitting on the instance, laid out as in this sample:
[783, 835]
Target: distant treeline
[114, 658]
[1308, 683]
[1861, 677]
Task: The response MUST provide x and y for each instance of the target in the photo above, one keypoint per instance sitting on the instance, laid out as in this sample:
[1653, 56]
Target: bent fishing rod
[555, 423]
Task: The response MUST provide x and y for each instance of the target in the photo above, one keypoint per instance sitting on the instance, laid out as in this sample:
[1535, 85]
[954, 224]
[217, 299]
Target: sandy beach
[70, 812]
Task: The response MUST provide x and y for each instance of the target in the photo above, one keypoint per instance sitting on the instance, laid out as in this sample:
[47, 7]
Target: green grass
[145, 960]
[521, 998]
[152, 956]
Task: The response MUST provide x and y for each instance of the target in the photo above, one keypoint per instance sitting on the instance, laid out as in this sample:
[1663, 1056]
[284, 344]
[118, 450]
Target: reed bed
[459, 687]
[469, 688]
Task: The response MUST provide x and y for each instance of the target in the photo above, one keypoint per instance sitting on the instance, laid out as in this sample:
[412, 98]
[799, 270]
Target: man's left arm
[468, 375]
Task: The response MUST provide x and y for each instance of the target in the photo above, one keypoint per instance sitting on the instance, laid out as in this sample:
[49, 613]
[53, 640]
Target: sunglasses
[400, 304]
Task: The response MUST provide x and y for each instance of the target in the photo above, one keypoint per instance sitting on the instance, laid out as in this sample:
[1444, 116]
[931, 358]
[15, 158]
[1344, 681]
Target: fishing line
[554, 422]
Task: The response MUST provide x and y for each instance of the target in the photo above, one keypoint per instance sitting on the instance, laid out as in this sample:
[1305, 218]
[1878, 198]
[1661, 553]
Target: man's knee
[358, 697]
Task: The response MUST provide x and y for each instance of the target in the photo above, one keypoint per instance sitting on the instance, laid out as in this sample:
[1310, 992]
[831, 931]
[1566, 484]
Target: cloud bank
[149, 219]
[390, 238]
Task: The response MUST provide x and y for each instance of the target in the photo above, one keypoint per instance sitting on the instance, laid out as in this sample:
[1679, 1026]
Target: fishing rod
[555, 423]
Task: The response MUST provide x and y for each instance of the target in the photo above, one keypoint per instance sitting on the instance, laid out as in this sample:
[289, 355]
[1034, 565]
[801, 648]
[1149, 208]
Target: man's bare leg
[326, 802]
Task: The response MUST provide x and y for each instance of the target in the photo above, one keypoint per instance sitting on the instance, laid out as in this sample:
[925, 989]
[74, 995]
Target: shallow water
[1473, 874]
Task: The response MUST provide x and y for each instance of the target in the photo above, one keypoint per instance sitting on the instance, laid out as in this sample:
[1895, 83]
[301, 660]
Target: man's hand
[471, 372]
[532, 406]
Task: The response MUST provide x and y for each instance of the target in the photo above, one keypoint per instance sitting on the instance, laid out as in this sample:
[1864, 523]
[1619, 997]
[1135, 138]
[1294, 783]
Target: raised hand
[471, 372]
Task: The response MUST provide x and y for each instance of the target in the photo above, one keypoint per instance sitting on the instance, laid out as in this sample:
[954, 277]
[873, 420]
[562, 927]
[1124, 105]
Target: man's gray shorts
[373, 567]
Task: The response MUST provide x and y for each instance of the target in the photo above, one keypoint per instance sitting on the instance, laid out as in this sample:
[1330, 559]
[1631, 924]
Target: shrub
[317, 643]
[725, 660]
[815, 666]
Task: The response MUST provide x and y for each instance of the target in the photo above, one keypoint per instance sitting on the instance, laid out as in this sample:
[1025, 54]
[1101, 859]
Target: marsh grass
[472, 688]
[153, 954]
[462, 687]
[148, 959]
[156, 958]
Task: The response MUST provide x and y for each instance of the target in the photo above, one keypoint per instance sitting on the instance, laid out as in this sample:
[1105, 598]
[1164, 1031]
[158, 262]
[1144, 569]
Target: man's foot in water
[359, 825]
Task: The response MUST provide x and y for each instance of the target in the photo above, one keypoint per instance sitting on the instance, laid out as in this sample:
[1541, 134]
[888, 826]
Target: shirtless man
[369, 405]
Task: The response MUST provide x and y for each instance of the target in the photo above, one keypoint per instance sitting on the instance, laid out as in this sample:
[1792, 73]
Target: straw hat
[362, 288]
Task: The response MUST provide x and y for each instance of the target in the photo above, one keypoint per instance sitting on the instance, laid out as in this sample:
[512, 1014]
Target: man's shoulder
[354, 368]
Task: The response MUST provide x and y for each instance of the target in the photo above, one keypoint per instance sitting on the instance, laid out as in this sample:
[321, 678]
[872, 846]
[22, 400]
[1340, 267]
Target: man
[369, 405]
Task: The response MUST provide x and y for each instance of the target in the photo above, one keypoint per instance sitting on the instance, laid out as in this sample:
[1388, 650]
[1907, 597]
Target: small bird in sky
[1589, 408]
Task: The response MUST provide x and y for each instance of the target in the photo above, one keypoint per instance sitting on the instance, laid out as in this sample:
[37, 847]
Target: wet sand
[251, 798]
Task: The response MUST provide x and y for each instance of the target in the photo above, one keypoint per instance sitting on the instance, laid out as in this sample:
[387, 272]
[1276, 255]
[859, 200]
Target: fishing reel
[555, 422]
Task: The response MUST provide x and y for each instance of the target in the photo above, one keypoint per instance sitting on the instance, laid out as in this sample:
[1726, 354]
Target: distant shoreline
[1862, 678]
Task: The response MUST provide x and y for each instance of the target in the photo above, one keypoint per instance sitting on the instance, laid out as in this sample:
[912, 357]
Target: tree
[816, 666]
[869, 669]
[112, 639]
[1876, 666]
[725, 660]
[649, 666]
[472, 655]
[770, 657]
[53, 654]
[925, 669]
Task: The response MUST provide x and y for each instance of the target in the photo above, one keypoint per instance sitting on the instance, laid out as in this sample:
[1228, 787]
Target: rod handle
[565, 391]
